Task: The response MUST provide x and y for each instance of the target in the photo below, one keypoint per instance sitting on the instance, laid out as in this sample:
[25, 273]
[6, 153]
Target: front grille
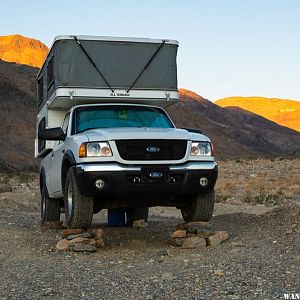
[137, 149]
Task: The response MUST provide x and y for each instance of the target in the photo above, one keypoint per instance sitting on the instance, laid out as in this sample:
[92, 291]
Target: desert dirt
[259, 207]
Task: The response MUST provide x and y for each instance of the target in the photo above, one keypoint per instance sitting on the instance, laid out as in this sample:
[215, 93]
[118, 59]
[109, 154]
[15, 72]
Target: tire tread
[83, 205]
[201, 209]
[52, 207]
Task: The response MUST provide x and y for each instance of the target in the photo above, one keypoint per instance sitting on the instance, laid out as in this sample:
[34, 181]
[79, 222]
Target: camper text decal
[120, 94]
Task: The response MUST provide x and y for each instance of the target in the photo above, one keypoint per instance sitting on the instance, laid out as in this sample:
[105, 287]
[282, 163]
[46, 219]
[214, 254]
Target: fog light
[100, 184]
[203, 182]
[136, 180]
[172, 180]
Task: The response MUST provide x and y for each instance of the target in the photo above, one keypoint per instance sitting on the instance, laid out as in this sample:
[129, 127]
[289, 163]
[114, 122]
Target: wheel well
[64, 171]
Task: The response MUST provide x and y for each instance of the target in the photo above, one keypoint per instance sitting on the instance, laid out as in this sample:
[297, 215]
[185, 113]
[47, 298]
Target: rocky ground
[261, 259]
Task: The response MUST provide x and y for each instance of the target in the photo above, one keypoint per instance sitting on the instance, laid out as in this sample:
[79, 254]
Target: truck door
[56, 160]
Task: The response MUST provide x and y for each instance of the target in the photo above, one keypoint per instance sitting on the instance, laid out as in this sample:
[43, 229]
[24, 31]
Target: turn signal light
[82, 150]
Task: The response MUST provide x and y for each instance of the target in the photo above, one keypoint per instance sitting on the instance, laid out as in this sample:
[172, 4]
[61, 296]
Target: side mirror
[52, 134]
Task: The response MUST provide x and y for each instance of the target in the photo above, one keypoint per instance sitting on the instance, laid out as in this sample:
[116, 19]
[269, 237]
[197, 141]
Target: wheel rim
[70, 200]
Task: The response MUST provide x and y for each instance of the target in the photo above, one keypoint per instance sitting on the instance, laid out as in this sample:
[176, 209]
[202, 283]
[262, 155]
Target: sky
[227, 47]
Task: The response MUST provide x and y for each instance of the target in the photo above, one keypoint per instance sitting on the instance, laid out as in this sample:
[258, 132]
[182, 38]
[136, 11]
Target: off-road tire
[50, 207]
[201, 207]
[78, 207]
[138, 213]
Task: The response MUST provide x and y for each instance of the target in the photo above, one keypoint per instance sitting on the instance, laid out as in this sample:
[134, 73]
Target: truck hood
[110, 134]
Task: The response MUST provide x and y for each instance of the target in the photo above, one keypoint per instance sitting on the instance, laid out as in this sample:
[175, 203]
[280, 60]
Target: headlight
[95, 149]
[201, 148]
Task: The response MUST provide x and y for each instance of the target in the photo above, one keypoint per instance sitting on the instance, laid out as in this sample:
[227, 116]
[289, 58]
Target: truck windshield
[119, 116]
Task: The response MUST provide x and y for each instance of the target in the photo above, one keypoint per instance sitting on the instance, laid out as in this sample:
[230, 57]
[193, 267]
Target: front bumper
[120, 180]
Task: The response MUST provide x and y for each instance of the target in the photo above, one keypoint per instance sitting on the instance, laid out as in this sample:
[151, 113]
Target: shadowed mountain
[17, 115]
[234, 131]
[22, 50]
[284, 112]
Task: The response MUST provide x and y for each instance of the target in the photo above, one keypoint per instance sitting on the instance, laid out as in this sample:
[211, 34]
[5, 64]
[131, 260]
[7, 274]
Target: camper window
[42, 143]
[50, 73]
[40, 90]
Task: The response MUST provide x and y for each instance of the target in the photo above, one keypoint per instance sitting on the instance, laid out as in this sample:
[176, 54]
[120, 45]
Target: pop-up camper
[105, 139]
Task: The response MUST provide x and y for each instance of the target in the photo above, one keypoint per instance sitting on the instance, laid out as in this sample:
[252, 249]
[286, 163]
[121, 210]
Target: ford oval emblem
[155, 175]
[153, 149]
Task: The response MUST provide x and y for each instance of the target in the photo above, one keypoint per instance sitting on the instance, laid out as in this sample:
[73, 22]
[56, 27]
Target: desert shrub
[25, 177]
[266, 197]
[221, 198]
[4, 179]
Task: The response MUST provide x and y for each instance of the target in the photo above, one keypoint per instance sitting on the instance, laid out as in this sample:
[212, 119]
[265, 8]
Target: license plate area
[155, 174]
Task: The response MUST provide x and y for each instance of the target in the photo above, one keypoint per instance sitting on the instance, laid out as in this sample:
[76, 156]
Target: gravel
[261, 259]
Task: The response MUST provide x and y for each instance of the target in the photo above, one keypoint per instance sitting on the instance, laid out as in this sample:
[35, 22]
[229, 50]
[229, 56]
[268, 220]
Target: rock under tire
[50, 207]
[201, 207]
[79, 214]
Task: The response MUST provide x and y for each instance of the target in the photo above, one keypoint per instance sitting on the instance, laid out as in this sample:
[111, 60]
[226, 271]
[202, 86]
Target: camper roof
[97, 68]
[110, 39]
[114, 39]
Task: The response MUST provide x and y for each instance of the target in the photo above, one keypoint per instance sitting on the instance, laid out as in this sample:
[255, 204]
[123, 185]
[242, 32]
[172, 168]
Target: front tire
[50, 207]
[201, 207]
[78, 207]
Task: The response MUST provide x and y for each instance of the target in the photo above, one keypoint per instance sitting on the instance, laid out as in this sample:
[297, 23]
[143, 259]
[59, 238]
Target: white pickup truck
[104, 148]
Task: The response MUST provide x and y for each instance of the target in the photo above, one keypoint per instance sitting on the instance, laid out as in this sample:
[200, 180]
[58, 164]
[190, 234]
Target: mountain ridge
[282, 111]
[235, 132]
[22, 50]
